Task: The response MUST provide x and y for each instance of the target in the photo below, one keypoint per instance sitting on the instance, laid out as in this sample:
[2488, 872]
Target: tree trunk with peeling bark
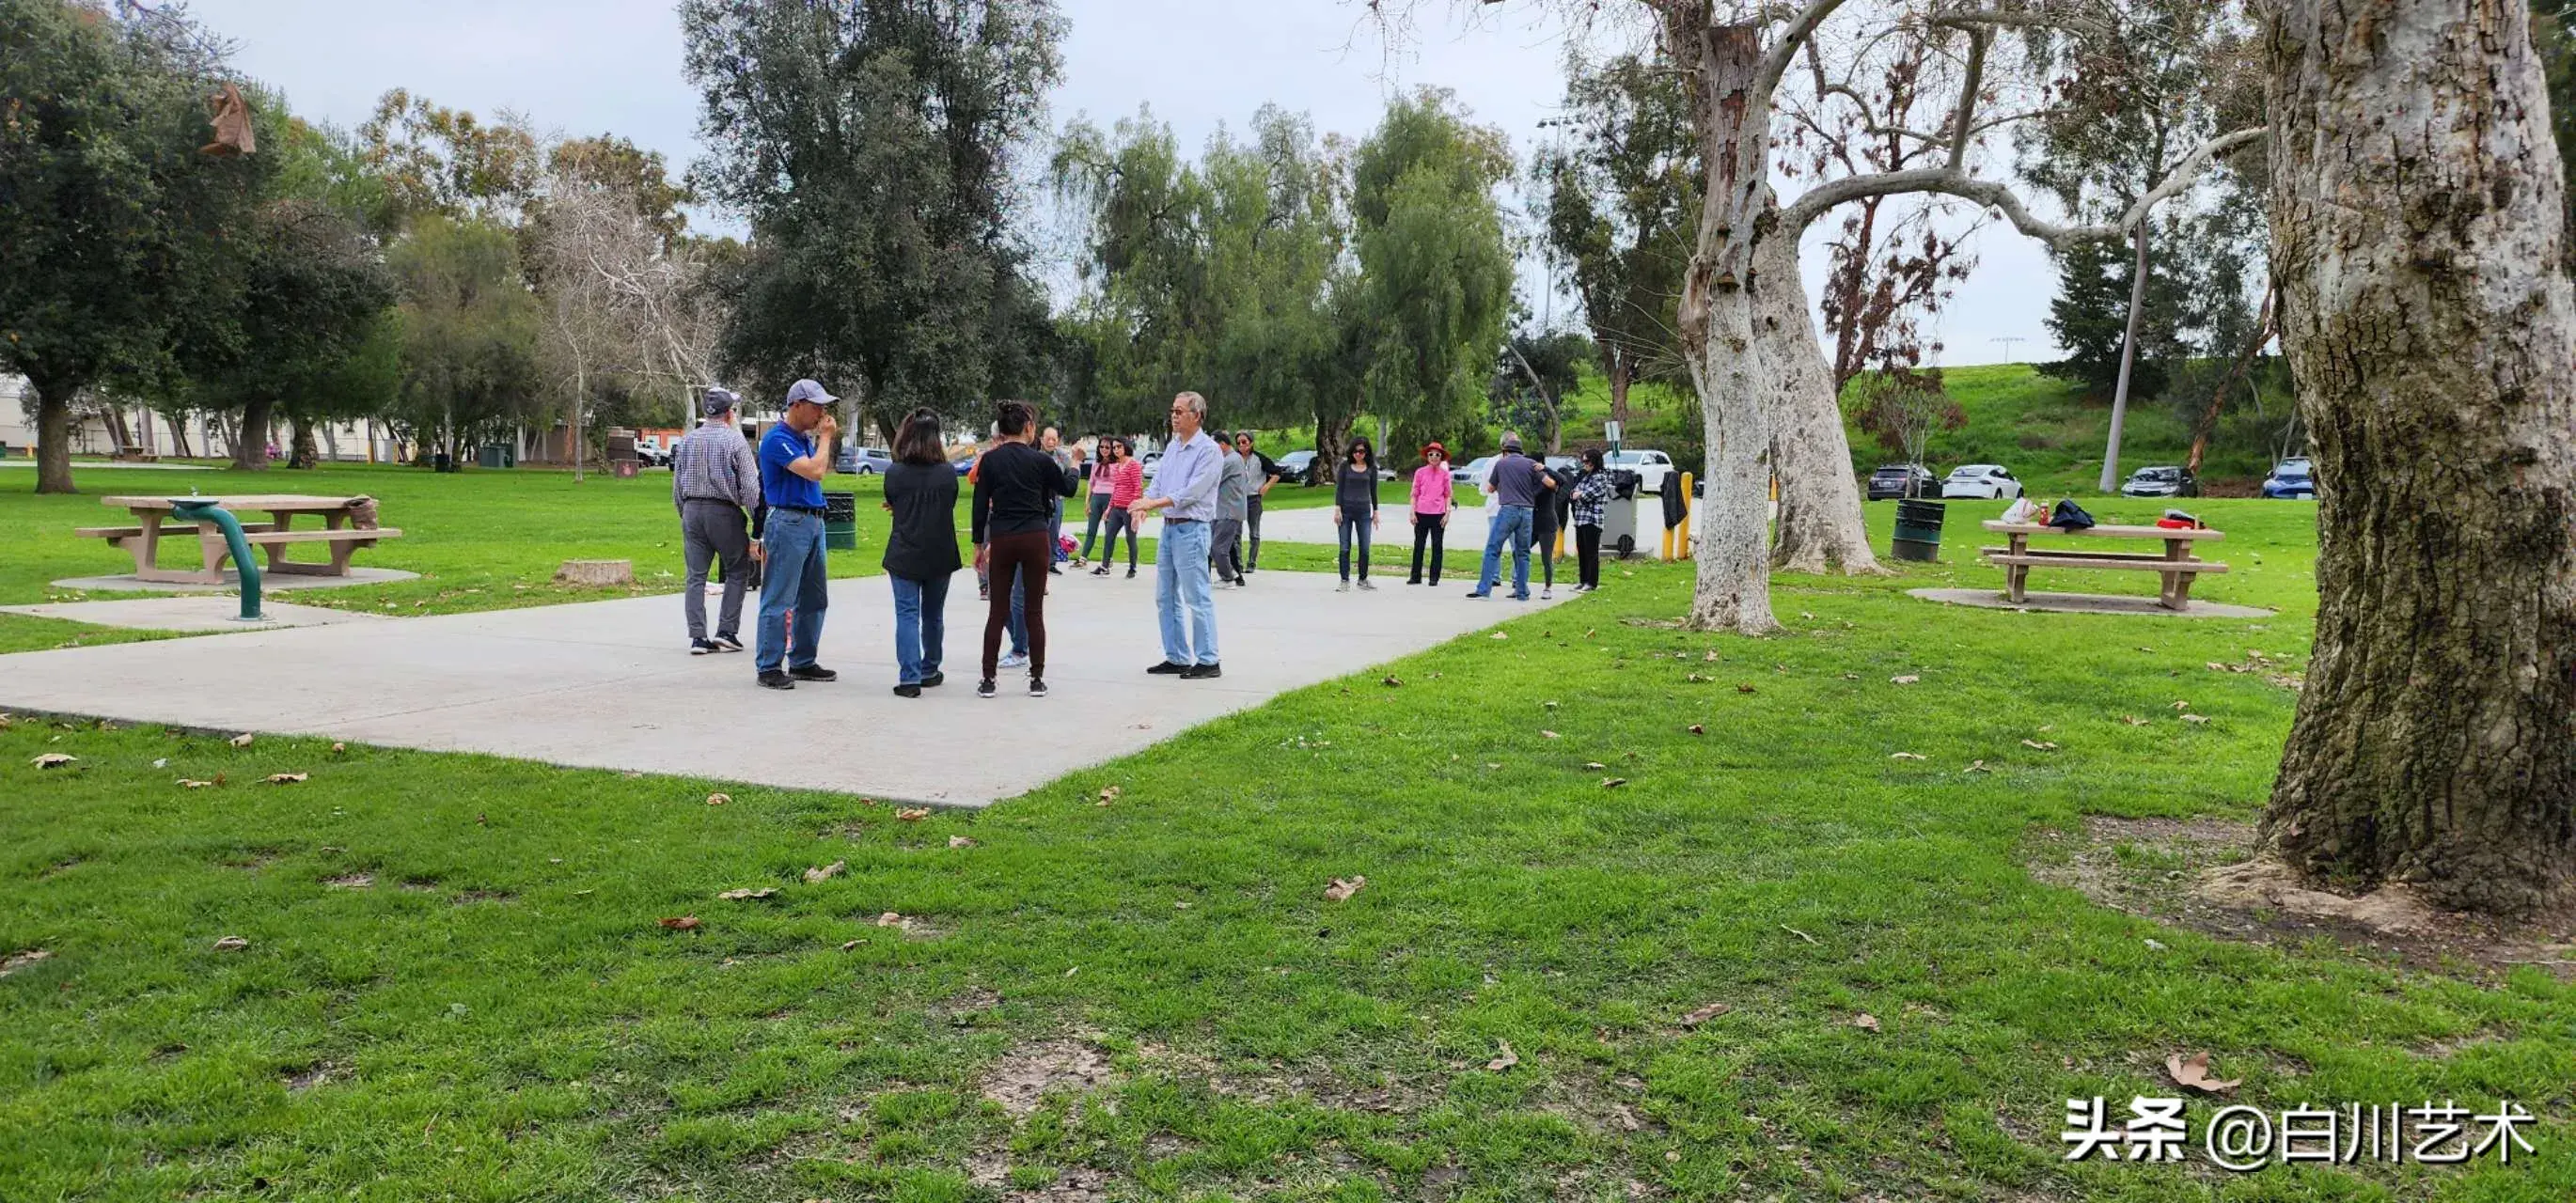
[2416, 232]
[53, 435]
[1821, 526]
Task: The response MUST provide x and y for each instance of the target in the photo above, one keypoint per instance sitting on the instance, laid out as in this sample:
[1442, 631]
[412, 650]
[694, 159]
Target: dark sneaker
[1476, 595]
[934, 680]
[726, 643]
[813, 672]
[777, 680]
[1103, 570]
[984, 688]
[1037, 688]
[1201, 672]
[1169, 669]
[1131, 574]
[907, 690]
[702, 647]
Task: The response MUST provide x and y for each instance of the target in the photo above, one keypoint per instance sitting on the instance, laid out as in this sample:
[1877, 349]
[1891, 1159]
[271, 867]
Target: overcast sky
[613, 66]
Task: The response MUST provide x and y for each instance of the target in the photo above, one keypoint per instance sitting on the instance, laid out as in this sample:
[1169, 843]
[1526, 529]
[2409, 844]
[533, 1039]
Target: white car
[1651, 467]
[1980, 480]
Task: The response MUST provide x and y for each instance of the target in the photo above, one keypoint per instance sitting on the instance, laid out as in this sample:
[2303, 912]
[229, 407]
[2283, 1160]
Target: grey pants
[710, 530]
[1225, 548]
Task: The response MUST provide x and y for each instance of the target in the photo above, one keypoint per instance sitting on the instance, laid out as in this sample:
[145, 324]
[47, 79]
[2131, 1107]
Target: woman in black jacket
[921, 552]
[1355, 508]
[1016, 488]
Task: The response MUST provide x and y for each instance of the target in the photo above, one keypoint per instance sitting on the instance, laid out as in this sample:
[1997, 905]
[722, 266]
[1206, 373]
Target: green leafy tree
[469, 333]
[430, 159]
[1531, 378]
[113, 219]
[873, 147]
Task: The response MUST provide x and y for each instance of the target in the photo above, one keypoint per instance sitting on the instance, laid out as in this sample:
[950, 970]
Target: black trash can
[442, 462]
[841, 521]
[1918, 530]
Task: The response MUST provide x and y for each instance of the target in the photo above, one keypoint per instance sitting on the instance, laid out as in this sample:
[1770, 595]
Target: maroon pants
[1028, 555]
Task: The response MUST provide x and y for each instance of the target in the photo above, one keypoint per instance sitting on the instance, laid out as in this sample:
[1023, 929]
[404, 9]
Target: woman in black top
[1355, 508]
[1016, 488]
[921, 552]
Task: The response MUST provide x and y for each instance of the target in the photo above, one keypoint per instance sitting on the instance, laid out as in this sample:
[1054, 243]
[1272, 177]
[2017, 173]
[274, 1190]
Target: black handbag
[2069, 516]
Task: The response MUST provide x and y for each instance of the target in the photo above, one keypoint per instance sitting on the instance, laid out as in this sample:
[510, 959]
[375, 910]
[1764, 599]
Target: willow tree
[2432, 334]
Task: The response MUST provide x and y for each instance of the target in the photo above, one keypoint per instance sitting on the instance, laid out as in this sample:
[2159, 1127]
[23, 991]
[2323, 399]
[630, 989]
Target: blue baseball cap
[807, 390]
[719, 402]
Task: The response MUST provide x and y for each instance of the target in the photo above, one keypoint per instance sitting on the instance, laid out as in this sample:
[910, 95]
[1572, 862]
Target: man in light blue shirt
[1184, 487]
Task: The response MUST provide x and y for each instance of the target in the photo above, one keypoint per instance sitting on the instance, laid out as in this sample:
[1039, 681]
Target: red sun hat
[1433, 445]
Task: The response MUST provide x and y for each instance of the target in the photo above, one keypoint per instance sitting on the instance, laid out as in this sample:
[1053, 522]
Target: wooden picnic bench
[152, 525]
[2177, 563]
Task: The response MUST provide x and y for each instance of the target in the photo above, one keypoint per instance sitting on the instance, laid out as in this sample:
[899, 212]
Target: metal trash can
[490, 456]
[1918, 530]
[841, 521]
[442, 462]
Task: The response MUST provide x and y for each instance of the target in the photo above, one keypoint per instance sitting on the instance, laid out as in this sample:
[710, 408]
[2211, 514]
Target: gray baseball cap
[807, 390]
[719, 402]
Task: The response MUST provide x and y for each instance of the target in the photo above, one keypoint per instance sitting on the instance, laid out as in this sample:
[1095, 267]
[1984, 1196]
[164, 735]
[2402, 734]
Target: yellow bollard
[1682, 533]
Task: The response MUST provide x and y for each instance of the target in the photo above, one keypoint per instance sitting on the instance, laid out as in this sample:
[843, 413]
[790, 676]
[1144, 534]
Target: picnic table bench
[338, 532]
[2177, 564]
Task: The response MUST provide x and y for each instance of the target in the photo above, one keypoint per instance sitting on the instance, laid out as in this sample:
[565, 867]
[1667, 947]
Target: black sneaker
[726, 643]
[934, 680]
[777, 680]
[1131, 574]
[907, 690]
[702, 647]
[984, 688]
[813, 672]
[1103, 570]
[1037, 688]
[1169, 669]
[1202, 672]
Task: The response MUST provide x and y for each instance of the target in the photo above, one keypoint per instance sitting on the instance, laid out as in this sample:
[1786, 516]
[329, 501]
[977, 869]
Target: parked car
[862, 461]
[2293, 479]
[1992, 481]
[1651, 467]
[1472, 473]
[1298, 466]
[2163, 480]
[1899, 480]
[1564, 464]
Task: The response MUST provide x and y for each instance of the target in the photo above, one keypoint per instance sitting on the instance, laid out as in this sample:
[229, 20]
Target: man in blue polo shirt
[793, 458]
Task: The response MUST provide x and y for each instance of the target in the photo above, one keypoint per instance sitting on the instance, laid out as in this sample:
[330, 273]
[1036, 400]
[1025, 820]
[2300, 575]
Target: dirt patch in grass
[2202, 874]
[351, 881]
[312, 1075]
[1025, 1075]
[470, 897]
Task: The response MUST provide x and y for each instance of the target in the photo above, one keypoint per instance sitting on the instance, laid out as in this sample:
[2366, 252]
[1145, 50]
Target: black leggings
[1587, 551]
[1099, 508]
[1027, 554]
[1543, 545]
[1431, 528]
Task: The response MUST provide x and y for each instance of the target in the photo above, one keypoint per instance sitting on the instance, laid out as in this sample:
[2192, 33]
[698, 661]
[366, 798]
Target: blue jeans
[795, 582]
[1511, 522]
[1354, 525]
[920, 626]
[1181, 582]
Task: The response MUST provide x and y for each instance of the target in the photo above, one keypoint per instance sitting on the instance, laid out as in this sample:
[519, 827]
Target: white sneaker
[1016, 660]
[1545, 593]
[1344, 587]
[1366, 585]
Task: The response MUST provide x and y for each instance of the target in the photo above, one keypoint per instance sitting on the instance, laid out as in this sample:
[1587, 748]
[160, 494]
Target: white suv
[1980, 480]
[1651, 467]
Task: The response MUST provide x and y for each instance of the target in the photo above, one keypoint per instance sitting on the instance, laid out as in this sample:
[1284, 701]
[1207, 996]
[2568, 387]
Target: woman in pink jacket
[1430, 508]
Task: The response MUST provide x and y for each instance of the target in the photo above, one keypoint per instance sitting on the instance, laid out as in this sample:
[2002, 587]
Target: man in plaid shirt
[715, 484]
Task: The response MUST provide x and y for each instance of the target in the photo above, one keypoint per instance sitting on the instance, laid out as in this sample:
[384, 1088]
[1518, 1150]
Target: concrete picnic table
[338, 532]
[2177, 565]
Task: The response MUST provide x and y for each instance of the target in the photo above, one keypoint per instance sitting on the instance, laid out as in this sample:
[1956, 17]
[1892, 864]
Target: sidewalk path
[610, 684]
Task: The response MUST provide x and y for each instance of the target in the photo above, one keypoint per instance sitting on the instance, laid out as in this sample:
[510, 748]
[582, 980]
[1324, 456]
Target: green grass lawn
[457, 986]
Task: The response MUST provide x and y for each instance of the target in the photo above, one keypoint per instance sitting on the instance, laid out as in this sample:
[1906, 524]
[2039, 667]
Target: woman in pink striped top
[1126, 475]
[1430, 508]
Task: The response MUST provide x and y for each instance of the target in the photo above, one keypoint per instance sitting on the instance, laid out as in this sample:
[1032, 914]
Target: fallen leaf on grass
[849, 945]
[1906, 679]
[242, 740]
[1865, 1022]
[2182, 705]
[959, 841]
[1801, 935]
[1905, 756]
[231, 944]
[912, 814]
[1695, 678]
[287, 778]
[2133, 720]
[2039, 744]
[53, 760]
[1392, 681]
[1500, 635]
[2195, 718]
[1613, 782]
[339, 748]
[1549, 734]
[162, 763]
[1704, 1014]
[1594, 765]
[1976, 766]
[20, 960]
[1109, 794]
[1341, 890]
[890, 919]
[741, 895]
[1696, 729]
[682, 923]
[2192, 1073]
[830, 871]
[1506, 1060]
[1743, 689]
[718, 799]
[188, 783]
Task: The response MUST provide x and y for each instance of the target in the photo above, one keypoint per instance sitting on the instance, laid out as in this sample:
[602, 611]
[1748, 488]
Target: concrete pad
[270, 582]
[2085, 603]
[202, 613]
[611, 684]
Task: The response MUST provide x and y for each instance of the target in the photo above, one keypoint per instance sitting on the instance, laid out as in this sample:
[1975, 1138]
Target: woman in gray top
[1355, 508]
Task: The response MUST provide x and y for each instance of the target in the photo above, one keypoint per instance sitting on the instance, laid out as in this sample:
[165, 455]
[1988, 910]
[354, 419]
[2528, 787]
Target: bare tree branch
[1994, 194]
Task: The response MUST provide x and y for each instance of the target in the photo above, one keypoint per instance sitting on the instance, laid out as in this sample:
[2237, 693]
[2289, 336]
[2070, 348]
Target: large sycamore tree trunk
[2416, 239]
[250, 448]
[53, 435]
[1821, 525]
[1716, 318]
